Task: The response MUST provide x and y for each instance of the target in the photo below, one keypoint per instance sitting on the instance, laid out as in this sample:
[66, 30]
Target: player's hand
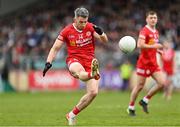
[46, 68]
[158, 46]
[160, 52]
[98, 29]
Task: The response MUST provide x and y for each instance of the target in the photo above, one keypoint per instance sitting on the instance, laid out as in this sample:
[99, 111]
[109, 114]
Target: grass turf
[108, 109]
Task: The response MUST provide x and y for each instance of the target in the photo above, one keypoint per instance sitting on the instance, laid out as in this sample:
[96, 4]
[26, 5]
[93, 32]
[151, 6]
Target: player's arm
[52, 54]
[141, 44]
[160, 51]
[53, 51]
[99, 34]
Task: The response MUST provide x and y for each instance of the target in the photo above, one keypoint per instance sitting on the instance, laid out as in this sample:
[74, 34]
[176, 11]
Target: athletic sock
[146, 99]
[74, 112]
[131, 106]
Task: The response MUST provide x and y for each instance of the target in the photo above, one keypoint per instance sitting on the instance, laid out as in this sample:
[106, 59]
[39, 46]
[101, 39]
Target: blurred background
[29, 28]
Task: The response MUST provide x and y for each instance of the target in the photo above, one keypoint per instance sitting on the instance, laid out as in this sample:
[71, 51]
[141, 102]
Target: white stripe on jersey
[142, 36]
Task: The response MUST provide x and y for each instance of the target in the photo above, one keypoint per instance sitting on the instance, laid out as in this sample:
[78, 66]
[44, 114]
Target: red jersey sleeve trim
[142, 36]
[60, 38]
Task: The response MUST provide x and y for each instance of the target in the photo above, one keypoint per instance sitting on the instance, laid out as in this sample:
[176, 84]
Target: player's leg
[160, 80]
[91, 77]
[92, 90]
[169, 92]
[134, 94]
[158, 76]
[78, 71]
[168, 88]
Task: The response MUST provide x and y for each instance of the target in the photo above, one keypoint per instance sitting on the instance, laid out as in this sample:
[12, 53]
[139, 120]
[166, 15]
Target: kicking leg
[78, 71]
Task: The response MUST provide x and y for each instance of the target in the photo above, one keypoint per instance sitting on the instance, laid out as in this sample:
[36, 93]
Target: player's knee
[162, 84]
[140, 88]
[141, 85]
[75, 75]
[93, 93]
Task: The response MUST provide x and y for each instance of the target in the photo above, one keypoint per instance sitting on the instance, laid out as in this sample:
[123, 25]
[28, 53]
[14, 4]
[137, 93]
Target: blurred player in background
[126, 71]
[148, 42]
[81, 62]
[168, 64]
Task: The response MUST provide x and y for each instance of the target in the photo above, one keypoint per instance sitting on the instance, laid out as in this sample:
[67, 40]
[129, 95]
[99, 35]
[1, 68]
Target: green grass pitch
[108, 109]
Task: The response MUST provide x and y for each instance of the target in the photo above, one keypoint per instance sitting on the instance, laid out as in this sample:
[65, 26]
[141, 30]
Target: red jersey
[168, 61]
[147, 58]
[79, 43]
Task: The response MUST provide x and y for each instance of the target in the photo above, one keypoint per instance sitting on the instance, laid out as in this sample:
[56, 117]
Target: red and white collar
[80, 31]
[151, 29]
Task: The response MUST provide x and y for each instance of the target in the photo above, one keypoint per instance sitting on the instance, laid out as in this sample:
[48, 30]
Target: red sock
[148, 97]
[75, 110]
[131, 103]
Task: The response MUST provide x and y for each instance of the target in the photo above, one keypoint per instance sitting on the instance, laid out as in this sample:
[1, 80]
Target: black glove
[98, 29]
[46, 68]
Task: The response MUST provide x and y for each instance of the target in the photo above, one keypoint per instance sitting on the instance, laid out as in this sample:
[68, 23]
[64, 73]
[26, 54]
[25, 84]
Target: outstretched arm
[99, 34]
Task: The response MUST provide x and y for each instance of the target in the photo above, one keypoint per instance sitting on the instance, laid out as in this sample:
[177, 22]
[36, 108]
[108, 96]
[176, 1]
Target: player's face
[151, 20]
[81, 22]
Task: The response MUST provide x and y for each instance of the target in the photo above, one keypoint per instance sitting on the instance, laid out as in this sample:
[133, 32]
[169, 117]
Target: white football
[127, 44]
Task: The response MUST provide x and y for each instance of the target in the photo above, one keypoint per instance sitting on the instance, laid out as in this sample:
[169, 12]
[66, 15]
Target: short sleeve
[62, 35]
[90, 25]
[142, 34]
